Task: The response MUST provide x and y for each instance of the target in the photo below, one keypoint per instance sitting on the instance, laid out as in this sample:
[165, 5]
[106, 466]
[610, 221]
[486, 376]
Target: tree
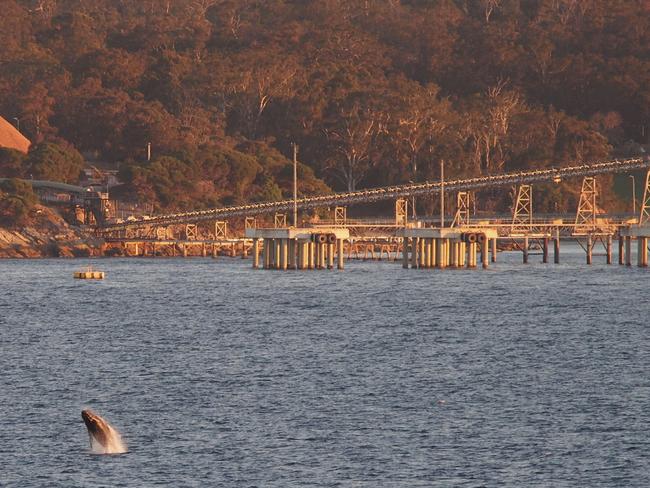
[270, 191]
[37, 108]
[489, 122]
[12, 163]
[374, 91]
[352, 129]
[17, 199]
[49, 161]
[417, 119]
[261, 79]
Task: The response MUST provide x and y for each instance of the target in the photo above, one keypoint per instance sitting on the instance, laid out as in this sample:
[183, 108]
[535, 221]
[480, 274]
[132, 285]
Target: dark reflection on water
[221, 376]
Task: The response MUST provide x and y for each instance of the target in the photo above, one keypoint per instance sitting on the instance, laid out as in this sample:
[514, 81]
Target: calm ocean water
[218, 375]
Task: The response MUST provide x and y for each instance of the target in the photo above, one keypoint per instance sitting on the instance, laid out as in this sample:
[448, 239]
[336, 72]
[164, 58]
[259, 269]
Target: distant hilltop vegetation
[197, 102]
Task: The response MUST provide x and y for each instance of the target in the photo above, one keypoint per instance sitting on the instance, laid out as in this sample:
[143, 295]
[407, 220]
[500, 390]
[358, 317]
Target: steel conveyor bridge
[387, 193]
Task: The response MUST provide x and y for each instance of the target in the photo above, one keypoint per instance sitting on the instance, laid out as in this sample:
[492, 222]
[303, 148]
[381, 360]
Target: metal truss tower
[586, 216]
[280, 220]
[522, 219]
[401, 211]
[644, 215]
[340, 215]
[463, 205]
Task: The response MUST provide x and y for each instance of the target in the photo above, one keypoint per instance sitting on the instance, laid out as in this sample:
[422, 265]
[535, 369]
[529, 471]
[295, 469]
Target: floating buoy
[89, 274]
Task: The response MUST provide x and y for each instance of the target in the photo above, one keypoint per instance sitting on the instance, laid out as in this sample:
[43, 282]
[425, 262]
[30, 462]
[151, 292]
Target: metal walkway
[388, 193]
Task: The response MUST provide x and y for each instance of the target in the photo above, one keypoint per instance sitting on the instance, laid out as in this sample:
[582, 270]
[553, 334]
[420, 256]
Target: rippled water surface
[218, 375]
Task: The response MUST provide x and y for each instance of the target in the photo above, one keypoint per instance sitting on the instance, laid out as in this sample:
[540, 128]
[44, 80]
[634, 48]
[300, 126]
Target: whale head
[104, 439]
[97, 427]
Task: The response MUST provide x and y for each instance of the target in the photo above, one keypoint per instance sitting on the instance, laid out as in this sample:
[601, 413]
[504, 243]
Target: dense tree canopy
[17, 199]
[374, 91]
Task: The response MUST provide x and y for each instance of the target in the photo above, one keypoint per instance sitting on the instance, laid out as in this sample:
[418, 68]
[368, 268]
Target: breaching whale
[104, 439]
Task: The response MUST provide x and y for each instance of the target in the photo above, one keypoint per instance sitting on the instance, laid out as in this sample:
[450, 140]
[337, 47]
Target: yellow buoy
[89, 274]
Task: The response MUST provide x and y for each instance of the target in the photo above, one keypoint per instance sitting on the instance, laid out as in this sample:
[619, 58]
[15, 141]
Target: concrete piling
[311, 255]
[441, 254]
[414, 252]
[321, 256]
[284, 254]
[525, 250]
[473, 248]
[642, 251]
[484, 253]
[609, 249]
[454, 254]
[298, 248]
[256, 253]
[447, 247]
[621, 250]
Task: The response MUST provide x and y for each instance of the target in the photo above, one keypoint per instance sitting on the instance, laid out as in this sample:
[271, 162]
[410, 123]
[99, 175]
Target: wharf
[447, 247]
[298, 248]
[639, 232]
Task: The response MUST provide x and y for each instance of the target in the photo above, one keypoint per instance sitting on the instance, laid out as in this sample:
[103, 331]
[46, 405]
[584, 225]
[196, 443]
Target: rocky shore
[47, 235]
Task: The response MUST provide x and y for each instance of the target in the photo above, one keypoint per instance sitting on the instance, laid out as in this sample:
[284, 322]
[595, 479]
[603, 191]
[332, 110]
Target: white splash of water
[114, 443]
[112, 439]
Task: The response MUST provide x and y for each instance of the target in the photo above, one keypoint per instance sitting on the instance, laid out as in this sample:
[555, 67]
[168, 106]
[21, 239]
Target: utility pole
[148, 151]
[295, 184]
[442, 193]
[633, 195]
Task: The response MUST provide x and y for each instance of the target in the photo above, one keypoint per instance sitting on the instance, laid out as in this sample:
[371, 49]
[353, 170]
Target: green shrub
[17, 199]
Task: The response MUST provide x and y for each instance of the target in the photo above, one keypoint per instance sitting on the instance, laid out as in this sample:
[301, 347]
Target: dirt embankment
[46, 235]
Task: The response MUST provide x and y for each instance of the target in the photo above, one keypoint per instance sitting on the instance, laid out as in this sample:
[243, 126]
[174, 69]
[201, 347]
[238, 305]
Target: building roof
[11, 138]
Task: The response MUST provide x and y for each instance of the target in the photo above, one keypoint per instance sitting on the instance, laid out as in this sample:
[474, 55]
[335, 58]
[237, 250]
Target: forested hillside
[374, 92]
